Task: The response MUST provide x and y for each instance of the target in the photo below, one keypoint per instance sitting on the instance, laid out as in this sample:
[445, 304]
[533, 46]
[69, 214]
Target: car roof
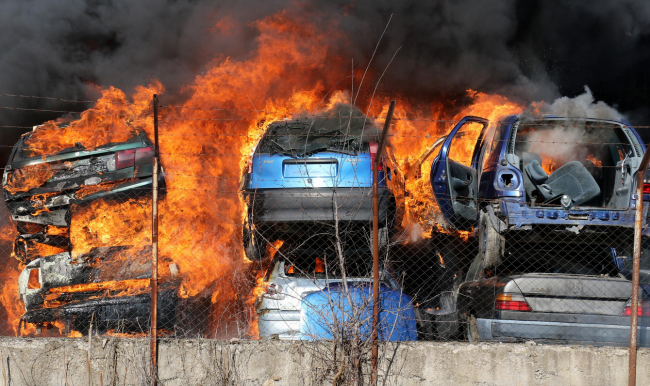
[515, 117]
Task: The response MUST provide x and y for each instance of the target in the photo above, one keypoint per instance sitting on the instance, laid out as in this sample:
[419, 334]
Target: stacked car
[106, 286]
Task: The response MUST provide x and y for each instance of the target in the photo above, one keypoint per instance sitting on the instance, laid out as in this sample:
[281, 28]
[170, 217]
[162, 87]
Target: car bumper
[520, 216]
[318, 204]
[184, 316]
[276, 324]
[597, 334]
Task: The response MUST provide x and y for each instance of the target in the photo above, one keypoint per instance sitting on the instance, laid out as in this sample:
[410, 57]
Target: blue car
[537, 177]
[311, 176]
[327, 314]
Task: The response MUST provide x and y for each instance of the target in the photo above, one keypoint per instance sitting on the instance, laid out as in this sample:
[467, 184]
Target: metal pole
[638, 228]
[154, 250]
[375, 243]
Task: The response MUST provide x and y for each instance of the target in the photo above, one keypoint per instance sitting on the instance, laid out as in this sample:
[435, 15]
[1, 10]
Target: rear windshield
[320, 265]
[596, 144]
[557, 258]
[307, 136]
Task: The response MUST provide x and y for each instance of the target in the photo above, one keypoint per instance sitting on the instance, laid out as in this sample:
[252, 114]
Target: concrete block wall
[50, 361]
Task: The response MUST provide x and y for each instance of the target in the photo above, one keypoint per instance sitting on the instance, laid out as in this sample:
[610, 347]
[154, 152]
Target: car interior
[593, 168]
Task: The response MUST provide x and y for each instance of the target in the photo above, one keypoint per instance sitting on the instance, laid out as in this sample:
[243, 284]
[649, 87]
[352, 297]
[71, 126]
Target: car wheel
[254, 245]
[447, 326]
[424, 324]
[491, 243]
[471, 331]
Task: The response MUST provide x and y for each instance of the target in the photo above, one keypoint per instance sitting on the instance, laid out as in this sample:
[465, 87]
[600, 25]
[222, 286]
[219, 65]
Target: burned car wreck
[39, 190]
[73, 288]
[108, 287]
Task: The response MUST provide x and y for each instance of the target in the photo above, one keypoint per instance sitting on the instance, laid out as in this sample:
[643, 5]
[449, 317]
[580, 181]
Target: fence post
[375, 243]
[638, 229]
[154, 250]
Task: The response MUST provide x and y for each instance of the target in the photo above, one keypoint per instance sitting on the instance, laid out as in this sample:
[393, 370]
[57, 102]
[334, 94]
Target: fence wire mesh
[519, 231]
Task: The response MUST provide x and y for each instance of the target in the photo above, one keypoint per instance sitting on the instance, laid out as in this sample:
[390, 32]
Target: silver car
[296, 275]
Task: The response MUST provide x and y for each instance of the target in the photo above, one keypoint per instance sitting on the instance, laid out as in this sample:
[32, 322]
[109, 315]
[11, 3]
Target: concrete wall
[50, 361]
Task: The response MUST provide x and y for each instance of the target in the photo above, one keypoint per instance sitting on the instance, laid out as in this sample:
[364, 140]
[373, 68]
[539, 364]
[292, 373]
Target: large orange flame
[204, 149]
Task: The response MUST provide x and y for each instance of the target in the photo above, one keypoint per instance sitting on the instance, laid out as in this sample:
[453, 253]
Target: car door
[454, 172]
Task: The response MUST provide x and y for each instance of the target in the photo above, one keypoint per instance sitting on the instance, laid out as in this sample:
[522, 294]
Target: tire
[491, 243]
[424, 324]
[254, 245]
[471, 331]
[447, 326]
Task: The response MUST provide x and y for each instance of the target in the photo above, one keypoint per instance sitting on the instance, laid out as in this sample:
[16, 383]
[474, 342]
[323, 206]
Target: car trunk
[574, 294]
[324, 170]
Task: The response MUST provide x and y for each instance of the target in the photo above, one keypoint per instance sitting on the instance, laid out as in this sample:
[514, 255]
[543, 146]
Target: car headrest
[536, 173]
[528, 158]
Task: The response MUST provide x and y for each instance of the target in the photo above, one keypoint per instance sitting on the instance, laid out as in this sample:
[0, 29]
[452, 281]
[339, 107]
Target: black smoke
[528, 50]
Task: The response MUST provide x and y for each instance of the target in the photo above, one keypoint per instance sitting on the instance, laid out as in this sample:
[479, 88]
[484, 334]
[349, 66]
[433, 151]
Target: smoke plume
[525, 50]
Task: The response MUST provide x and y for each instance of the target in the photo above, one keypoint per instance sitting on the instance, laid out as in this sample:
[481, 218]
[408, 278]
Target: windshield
[305, 137]
[316, 264]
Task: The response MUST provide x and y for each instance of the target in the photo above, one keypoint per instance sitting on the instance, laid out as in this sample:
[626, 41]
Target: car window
[319, 265]
[486, 148]
[306, 136]
[493, 153]
[463, 144]
[577, 260]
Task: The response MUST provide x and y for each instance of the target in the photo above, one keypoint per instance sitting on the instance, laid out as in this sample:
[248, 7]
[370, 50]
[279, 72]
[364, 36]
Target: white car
[294, 276]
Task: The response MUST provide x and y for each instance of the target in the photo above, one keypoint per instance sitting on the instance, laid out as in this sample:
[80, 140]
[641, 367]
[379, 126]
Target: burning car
[534, 177]
[77, 287]
[308, 173]
[305, 298]
[39, 190]
[107, 288]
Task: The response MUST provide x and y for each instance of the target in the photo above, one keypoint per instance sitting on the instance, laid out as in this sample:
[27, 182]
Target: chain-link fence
[515, 231]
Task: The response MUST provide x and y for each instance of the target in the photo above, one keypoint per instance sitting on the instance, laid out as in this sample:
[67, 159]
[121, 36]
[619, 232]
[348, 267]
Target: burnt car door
[454, 176]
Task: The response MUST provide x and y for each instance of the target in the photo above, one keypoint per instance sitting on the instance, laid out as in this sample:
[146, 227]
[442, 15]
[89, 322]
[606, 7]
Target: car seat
[572, 179]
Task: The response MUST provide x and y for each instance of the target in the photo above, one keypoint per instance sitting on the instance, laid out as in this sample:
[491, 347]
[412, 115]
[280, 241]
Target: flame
[28, 177]
[598, 163]
[203, 152]
[411, 138]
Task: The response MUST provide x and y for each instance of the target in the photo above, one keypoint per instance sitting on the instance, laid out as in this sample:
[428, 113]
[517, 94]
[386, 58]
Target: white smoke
[582, 106]
[570, 140]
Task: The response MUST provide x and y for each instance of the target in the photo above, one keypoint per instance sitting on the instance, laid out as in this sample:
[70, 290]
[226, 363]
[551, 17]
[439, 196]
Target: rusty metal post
[375, 243]
[638, 229]
[154, 249]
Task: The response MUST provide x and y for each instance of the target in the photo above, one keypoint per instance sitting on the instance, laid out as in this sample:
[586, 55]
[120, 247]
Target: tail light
[646, 188]
[132, 157]
[508, 302]
[274, 291]
[33, 282]
[374, 147]
[643, 309]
